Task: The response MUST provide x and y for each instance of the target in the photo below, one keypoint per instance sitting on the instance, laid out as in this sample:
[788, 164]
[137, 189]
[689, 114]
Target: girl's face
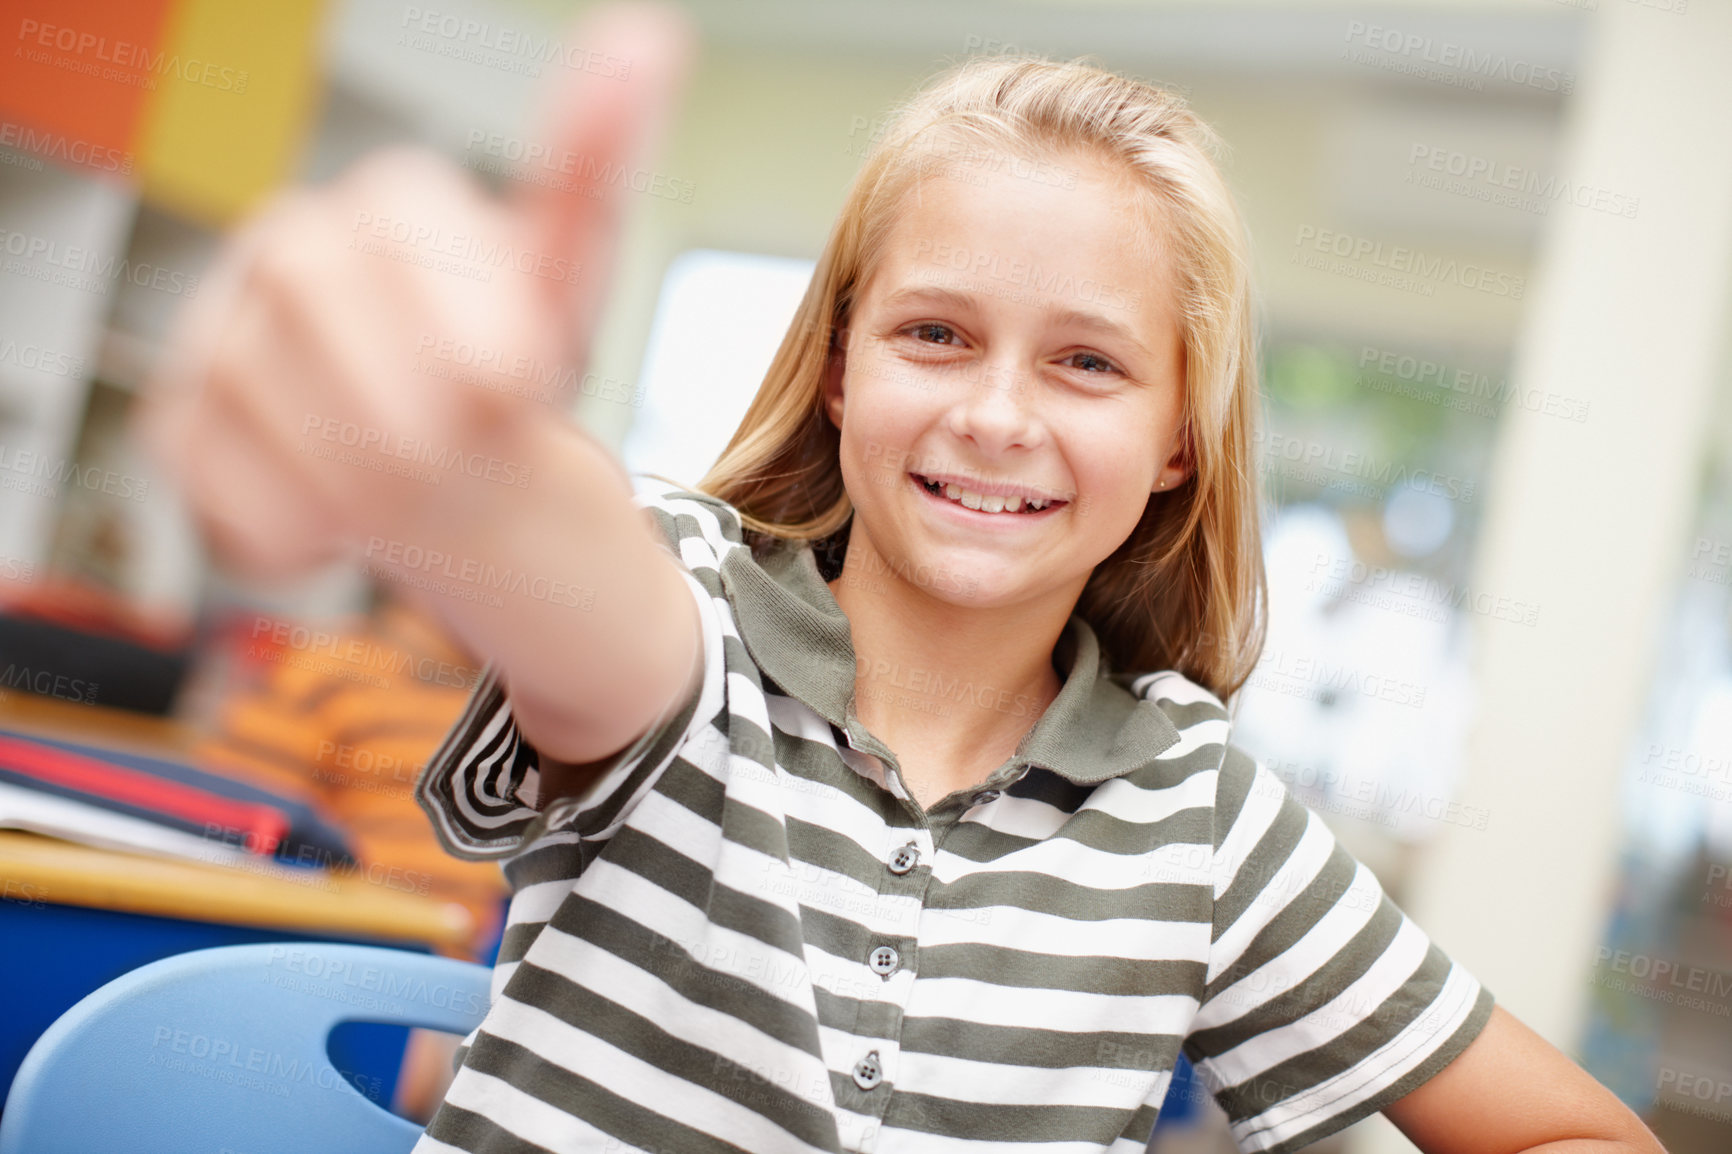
[1017, 342]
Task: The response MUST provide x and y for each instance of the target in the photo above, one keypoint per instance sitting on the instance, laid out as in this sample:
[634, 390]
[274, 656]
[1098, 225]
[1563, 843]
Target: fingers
[333, 396]
[255, 518]
[259, 522]
[225, 411]
[271, 508]
[174, 390]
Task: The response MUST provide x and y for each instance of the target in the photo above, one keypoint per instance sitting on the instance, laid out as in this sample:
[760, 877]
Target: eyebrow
[1062, 316]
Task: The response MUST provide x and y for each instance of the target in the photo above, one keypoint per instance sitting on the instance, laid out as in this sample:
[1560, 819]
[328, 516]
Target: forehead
[1069, 228]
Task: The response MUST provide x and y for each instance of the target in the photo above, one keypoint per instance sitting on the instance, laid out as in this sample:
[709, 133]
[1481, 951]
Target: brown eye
[926, 333]
[1094, 363]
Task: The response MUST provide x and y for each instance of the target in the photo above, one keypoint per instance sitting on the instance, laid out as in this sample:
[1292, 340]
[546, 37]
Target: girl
[891, 804]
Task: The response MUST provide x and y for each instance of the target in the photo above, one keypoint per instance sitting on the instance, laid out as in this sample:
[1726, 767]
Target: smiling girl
[886, 801]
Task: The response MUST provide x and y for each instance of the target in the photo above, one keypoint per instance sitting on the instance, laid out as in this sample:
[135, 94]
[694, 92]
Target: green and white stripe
[686, 959]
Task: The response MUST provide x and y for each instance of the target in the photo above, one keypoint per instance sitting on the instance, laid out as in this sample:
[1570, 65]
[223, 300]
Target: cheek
[1114, 467]
[877, 437]
[1115, 449]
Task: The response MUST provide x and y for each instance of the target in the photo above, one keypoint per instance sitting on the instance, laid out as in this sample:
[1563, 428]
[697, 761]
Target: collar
[796, 632]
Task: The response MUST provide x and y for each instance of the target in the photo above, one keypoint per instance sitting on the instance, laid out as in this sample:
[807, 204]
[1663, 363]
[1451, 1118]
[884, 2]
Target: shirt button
[884, 961]
[986, 797]
[868, 1072]
[903, 859]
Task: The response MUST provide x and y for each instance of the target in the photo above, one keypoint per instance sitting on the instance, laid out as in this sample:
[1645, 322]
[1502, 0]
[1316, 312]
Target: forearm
[560, 583]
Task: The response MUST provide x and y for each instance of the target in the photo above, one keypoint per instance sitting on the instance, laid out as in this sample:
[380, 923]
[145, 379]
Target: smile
[955, 494]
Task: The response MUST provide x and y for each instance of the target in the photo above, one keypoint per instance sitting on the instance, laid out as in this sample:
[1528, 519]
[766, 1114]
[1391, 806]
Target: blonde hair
[1186, 590]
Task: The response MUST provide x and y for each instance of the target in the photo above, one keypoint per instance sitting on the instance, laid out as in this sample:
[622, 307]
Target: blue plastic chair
[226, 1048]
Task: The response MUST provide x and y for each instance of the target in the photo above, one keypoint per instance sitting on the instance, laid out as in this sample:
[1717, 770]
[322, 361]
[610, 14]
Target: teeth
[990, 503]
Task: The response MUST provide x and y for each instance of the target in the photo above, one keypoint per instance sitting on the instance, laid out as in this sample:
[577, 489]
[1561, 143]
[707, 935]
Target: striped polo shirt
[748, 935]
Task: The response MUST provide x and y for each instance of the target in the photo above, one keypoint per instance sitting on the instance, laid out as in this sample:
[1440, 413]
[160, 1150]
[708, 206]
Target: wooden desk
[39, 870]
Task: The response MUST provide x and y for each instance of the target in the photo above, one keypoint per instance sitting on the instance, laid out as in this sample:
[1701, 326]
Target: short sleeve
[479, 789]
[1323, 1001]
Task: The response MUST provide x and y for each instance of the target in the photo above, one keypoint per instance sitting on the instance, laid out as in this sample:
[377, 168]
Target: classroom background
[1492, 239]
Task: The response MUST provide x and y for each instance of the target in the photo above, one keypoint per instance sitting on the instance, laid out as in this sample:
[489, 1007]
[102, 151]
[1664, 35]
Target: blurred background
[1493, 241]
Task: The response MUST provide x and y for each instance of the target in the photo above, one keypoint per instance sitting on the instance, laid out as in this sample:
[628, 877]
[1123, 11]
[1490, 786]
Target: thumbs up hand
[357, 365]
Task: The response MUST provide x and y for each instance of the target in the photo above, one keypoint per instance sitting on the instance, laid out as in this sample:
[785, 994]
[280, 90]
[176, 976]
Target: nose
[999, 409]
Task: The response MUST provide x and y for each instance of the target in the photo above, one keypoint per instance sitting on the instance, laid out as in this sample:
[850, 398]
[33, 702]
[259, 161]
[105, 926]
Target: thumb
[624, 67]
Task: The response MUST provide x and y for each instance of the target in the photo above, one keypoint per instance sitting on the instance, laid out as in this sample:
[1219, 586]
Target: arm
[583, 682]
[303, 408]
[1327, 1003]
[491, 793]
[1510, 1091]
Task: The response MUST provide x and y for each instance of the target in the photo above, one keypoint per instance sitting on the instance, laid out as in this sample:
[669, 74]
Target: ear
[835, 369]
[1178, 467]
[1168, 479]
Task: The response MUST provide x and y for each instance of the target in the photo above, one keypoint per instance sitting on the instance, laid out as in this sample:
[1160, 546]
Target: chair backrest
[226, 1049]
